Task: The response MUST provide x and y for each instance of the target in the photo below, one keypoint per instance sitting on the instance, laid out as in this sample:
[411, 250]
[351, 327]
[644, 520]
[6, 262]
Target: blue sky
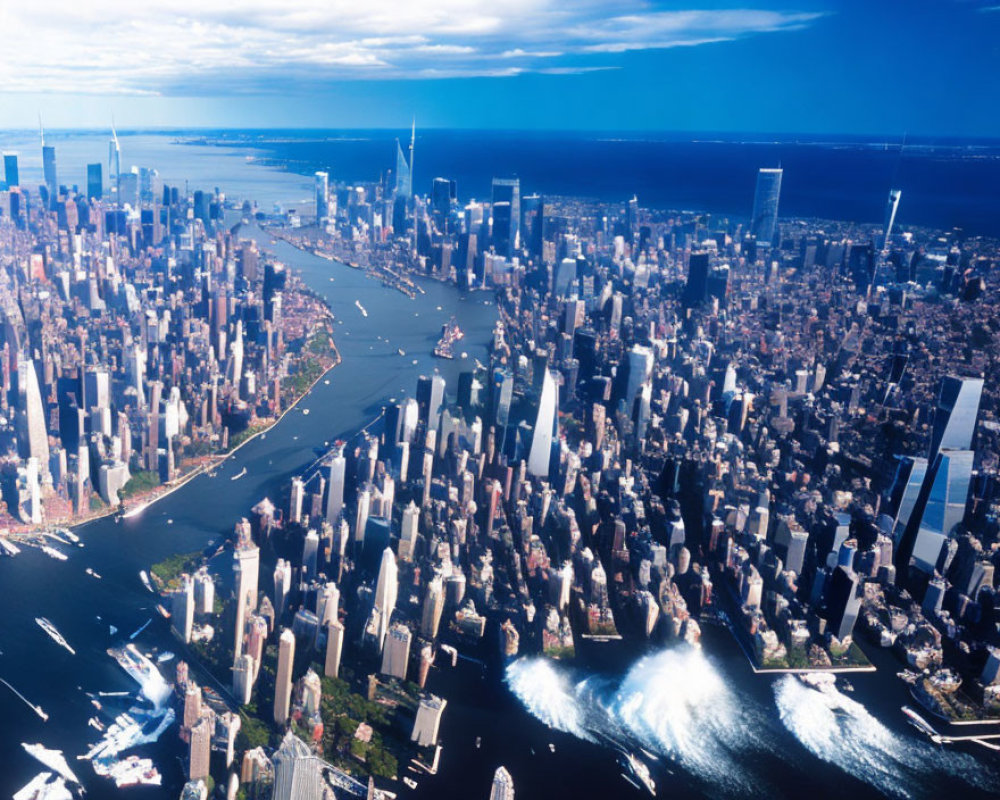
[811, 66]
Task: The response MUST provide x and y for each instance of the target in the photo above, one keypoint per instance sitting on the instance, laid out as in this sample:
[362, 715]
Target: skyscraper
[386, 591]
[283, 680]
[334, 648]
[764, 222]
[507, 190]
[503, 785]
[95, 182]
[114, 160]
[182, 609]
[396, 654]
[200, 751]
[433, 606]
[246, 565]
[49, 169]
[297, 772]
[10, 171]
[545, 428]
[243, 678]
[955, 415]
[335, 487]
[696, 288]
[322, 197]
[404, 170]
[428, 720]
[891, 206]
[33, 438]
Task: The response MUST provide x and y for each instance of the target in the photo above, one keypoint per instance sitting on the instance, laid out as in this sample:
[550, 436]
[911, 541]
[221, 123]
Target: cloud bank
[212, 47]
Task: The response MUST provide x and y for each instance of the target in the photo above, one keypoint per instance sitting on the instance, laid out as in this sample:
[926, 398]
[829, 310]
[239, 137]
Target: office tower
[244, 672]
[428, 720]
[408, 531]
[545, 428]
[334, 648]
[49, 170]
[246, 566]
[310, 555]
[764, 222]
[430, 397]
[328, 604]
[296, 500]
[503, 785]
[507, 190]
[32, 434]
[182, 609]
[363, 510]
[404, 170]
[843, 600]
[322, 197]
[443, 197]
[640, 368]
[796, 554]
[114, 160]
[283, 681]
[282, 585]
[200, 750]
[696, 289]
[503, 395]
[433, 606]
[12, 175]
[386, 591]
[891, 206]
[298, 773]
[955, 415]
[396, 654]
[905, 490]
[227, 726]
[335, 487]
[204, 592]
[533, 224]
[95, 182]
[312, 692]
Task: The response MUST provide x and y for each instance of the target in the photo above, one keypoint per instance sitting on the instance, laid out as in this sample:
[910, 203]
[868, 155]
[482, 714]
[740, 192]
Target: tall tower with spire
[114, 159]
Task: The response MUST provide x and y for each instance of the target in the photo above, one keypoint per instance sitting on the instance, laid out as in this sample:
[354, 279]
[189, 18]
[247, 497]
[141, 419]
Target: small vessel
[848, 686]
[552, 747]
[163, 612]
[239, 474]
[53, 553]
[164, 657]
[96, 724]
[50, 629]
[640, 771]
[170, 522]
[36, 708]
[479, 741]
[921, 724]
[112, 630]
[410, 782]
[144, 577]
[92, 574]
[361, 308]
[626, 777]
[305, 412]
[141, 629]
[69, 535]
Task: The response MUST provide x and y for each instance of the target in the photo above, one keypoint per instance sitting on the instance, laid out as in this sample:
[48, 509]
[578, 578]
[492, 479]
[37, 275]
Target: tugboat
[450, 334]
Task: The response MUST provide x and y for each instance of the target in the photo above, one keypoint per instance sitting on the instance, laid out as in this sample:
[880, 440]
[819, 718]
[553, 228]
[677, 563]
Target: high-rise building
[505, 235]
[200, 750]
[182, 609]
[282, 585]
[404, 170]
[696, 289]
[95, 181]
[408, 531]
[640, 367]
[433, 606]
[246, 566]
[545, 428]
[297, 772]
[386, 591]
[891, 206]
[310, 554]
[428, 720]
[334, 648]
[114, 160]
[283, 680]
[243, 678]
[764, 222]
[335, 487]
[503, 785]
[396, 654]
[955, 415]
[33, 437]
[322, 197]
[49, 170]
[11, 173]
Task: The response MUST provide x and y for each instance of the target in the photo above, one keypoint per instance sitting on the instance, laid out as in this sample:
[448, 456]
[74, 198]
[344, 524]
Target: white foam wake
[841, 731]
[674, 703]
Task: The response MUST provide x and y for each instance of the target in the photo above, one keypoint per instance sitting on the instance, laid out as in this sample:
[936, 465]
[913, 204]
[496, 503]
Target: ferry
[640, 771]
[361, 308]
[239, 474]
[921, 724]
[53, 553]
[144, 577]
[450, 334]
[50, 629]
[91, 573]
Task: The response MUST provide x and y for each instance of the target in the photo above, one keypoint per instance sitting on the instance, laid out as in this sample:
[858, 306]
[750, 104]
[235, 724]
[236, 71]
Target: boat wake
[674, 703]
[841, 731]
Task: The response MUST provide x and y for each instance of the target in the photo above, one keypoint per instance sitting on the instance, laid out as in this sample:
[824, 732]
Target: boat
[53, 553]
[401, 351]
[626, 777]
[479, 741]
[450, 334]
[848, 686]
[410, 782]
[96, 724]
[141, 629]
[134, 771]
[239, 474]
[44, 786]
[361, 308]
[144, 577]
[163, 612]
[552, 747]
[163, 658]
[69, 535]
[921, 724]
[112, 630]
[8, 548]
[91, 573]
[37, 709]
[640, 771]
[50, 629]
[305, 412]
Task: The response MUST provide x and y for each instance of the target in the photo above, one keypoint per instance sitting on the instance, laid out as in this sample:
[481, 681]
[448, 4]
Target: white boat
[50, 629]
[144, 577]
[361, 308]
[305, 412]
[91, 573]
[641, 772]
[410, 782]
[239, 474]
[53, 553]
[401, 351]
[37, 709]
[163, 658]
[67, 533]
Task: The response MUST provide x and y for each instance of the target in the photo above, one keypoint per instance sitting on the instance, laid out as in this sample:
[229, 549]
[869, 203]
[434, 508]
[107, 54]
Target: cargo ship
[450, 334]
[50, 629]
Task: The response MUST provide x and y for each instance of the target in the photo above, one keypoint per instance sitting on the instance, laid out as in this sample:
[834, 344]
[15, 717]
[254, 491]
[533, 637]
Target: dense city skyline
[851, 67]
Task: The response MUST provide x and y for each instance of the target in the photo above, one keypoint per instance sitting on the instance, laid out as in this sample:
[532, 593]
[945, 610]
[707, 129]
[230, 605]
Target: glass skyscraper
[95, 182]
[764, 223]
[322, 196]
[10, 171]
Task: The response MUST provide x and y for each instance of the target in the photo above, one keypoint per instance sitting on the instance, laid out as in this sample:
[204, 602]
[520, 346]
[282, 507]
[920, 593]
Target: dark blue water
[945, 183]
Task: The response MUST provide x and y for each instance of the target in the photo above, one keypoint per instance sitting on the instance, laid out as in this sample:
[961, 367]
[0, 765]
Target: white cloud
[193, 47]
